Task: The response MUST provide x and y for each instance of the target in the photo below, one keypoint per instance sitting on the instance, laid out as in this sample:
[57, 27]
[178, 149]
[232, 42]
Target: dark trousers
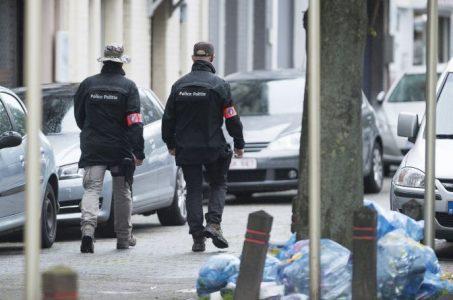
[216, 176]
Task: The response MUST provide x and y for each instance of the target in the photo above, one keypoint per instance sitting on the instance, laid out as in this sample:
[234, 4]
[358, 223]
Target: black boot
[214, 232]
[87, 244]
[198, 242]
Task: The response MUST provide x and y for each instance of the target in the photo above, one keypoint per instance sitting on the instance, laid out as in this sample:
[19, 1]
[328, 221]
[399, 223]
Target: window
[5, 124]
[17, 112]
[268, 97]
[149, 111]
[58, 114]
[420, 20]
[444, 125]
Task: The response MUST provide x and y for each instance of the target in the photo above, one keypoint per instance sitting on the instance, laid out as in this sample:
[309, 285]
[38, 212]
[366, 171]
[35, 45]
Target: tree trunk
[343, 32]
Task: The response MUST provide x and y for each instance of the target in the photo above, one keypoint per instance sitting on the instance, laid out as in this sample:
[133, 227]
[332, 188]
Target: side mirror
[408, 125]
[380, 97]
[10, 139]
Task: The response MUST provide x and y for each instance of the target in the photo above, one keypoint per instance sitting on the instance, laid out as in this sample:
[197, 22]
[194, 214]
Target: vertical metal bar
[430, 155]
[32, 74]
[314, 144]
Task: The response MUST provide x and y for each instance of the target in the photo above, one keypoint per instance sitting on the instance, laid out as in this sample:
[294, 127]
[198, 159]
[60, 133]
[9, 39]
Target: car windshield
[58, 115]
[268, 97]
[444, 121]
[410, 88]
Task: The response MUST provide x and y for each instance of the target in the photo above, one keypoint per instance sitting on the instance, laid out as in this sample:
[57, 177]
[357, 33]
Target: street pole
[314, 144]
[430, 154]
[32, 73]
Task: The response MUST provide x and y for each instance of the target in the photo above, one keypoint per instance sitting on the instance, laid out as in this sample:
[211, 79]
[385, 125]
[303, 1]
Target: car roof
[266, 75]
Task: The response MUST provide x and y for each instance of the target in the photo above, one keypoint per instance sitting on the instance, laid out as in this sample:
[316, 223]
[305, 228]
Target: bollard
[253, 256]
[59, 283]
[364, 247]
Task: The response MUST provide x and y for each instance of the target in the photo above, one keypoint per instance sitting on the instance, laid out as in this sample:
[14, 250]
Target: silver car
[13, 142]
[158, 184]
[407, 94]
[408, 185]
[270, 104]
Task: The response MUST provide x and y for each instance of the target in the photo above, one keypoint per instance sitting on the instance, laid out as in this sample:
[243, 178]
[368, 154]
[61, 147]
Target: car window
[410, 88]
[17, 112]
[58, 115]
[149, 111]
[5, 124]
[268, 97]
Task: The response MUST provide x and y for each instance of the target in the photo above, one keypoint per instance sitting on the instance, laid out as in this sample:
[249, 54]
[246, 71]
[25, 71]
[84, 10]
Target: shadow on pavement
[444, 251]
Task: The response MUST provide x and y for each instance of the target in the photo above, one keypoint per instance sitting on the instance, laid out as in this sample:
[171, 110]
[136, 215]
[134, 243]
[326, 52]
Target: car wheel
[48, 218]
[373, 181]
[176, 213]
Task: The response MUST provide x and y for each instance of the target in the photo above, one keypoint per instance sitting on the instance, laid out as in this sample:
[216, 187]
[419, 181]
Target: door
[12, 173]
[146, 181]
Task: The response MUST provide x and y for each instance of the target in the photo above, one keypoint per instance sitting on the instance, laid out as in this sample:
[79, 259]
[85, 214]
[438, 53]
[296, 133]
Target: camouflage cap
[114, 52]
[203, 49]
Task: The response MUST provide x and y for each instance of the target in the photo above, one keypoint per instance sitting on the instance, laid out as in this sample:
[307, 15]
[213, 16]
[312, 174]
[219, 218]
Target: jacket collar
[201, 65]
[111, 67]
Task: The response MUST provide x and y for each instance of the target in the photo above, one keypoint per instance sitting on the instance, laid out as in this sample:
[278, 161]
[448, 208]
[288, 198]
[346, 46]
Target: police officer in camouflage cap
[107, 110]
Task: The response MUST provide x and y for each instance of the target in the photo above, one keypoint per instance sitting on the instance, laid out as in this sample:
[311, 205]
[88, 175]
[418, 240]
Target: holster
[126, 169]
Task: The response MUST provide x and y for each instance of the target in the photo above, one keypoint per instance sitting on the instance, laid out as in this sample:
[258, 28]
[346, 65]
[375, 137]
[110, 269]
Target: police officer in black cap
[192, 129]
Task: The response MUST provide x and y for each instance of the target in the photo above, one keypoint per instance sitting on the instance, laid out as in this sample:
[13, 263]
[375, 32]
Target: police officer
[192, 130]
[107, 110]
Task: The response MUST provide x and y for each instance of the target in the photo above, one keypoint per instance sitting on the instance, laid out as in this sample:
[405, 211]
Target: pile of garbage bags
[405, 268]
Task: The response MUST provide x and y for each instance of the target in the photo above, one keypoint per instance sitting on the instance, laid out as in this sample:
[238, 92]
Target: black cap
[203, 49]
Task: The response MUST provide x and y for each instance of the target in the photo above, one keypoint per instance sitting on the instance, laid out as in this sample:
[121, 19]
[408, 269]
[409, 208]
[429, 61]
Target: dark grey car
[270, 104]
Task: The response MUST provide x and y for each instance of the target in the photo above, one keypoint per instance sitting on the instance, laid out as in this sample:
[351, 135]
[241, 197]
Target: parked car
[13, 142]
[159, 185]
[407, 94]
[270, 104]
[408, 184]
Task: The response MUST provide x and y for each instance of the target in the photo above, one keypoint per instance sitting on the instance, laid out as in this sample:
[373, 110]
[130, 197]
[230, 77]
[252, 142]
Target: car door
[12, 183]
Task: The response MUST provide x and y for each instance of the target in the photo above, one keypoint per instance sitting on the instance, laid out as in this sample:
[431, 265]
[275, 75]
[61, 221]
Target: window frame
[15, 127]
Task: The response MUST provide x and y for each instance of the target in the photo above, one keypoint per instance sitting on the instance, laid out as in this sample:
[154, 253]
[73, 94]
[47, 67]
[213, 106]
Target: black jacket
[194, 114]
[102, 105]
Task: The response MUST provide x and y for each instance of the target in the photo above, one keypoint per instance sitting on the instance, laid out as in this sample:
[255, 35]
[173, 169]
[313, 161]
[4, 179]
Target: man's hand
[239, 153]
[138, 162]
[172, 151]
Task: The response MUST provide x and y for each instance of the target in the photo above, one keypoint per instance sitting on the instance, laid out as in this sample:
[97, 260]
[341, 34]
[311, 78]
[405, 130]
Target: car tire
[373, 182]
[107, 229]
[48, 218]
[176, 213]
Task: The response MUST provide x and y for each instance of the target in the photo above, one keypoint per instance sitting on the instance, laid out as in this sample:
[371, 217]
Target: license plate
[450, 208]
[243, 164]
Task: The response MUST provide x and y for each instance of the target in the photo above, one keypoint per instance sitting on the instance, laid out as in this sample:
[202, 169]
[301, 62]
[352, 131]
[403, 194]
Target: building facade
[408, 26]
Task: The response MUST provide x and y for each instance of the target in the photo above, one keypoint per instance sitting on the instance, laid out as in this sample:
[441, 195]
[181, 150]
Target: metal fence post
[430, 155]
[32, 74]
[314, 144]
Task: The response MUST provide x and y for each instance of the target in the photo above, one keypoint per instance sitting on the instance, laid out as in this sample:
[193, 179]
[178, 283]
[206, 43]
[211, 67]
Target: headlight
[409, 177]
[288, 142]
[70, 172]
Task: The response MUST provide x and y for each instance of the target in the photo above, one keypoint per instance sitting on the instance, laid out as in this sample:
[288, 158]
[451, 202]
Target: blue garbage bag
[406, 269]
[336, 271]
[392, 220]
[280, 250]
[214, 274]
[270, 270]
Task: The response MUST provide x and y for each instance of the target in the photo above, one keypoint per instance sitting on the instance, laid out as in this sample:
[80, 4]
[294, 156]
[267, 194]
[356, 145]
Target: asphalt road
[161, 266]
